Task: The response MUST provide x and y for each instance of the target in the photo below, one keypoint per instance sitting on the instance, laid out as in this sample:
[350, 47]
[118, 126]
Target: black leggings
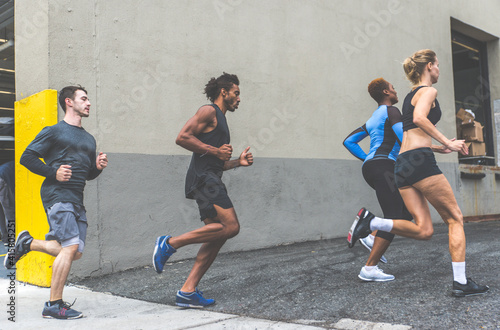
[379, 174]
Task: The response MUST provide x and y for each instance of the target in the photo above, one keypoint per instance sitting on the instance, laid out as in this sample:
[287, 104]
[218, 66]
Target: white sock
[459, 272]
[381, 224]
[370, 268]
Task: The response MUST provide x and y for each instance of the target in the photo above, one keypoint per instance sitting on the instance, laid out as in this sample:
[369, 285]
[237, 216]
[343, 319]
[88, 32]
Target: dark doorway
[470, 75]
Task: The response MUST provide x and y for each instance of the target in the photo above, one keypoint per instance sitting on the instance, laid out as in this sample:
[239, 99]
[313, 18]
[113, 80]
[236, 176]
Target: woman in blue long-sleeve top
[385, 130]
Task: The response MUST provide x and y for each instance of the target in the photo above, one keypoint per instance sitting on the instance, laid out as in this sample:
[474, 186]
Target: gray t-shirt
[62, 144]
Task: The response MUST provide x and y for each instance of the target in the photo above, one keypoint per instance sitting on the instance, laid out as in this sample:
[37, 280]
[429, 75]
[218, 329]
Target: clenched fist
[63, 173]
[101, 161]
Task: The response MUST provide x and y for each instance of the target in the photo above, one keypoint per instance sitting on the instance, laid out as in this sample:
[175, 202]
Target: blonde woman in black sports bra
[418, 177]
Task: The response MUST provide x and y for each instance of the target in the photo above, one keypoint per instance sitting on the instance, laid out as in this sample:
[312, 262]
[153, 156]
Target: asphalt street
[316, 283]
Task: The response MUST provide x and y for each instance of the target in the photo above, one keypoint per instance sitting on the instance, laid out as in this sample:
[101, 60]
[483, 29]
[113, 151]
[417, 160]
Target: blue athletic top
[385, 129]
[433, 116]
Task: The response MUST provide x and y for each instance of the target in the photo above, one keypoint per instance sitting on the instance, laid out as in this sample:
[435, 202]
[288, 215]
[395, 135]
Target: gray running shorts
[68, 224]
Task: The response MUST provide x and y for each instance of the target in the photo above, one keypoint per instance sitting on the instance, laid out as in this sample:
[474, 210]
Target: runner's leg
[209, 250]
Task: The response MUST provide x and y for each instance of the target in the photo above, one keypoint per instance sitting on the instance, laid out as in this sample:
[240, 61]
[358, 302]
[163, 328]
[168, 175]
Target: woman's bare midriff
[415, 138]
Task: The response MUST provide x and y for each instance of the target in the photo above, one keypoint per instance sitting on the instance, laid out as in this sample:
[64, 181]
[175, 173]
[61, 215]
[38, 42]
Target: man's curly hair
[215, 85]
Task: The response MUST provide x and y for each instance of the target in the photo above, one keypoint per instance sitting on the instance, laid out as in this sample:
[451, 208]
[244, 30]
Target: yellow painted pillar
[31, 115]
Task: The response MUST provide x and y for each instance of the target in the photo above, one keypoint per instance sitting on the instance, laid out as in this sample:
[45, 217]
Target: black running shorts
[415, 165]
[212, 192]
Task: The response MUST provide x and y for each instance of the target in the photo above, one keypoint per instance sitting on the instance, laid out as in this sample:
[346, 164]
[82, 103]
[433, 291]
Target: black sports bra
[407, 118]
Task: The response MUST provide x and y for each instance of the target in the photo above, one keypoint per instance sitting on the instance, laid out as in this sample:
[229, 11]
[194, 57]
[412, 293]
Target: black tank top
[201, 165]
[407, 118]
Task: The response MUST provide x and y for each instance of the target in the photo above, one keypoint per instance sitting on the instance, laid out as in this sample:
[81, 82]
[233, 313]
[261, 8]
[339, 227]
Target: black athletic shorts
[415, 165]
[212, 191]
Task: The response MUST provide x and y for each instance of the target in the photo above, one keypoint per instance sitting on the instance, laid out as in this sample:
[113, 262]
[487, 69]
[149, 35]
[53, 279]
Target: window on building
[472, 93]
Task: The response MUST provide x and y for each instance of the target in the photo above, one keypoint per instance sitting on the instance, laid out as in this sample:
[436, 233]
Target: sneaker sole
[62, 318]
[365, 245]
[5, 261]
[353, 227]
[157, 245]
[192, 306]
[375, 280]
[349, 235]
[382, 258]
[460, 294]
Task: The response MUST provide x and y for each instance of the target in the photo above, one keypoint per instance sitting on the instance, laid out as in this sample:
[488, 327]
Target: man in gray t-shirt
[70, 159]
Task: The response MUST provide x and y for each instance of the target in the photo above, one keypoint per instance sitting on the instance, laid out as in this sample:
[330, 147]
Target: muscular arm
[203, 121]
[351, 142]
[31, 160]
[436, 148]
[231, 164]
[422, 108]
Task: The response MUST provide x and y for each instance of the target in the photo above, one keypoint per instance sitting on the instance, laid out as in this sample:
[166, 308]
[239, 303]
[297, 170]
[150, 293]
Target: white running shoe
[368, 243]
[375, 275]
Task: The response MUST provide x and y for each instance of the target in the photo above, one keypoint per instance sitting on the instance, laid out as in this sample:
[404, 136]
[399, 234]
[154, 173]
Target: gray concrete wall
[277, 200]
[31, 26]
[479, 196]
[304, 67]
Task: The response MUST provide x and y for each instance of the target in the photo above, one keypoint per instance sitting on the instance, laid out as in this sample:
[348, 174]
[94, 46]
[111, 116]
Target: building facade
[304, 68]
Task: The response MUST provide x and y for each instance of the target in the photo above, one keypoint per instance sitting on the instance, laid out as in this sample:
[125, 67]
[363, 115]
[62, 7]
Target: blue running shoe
[192, 299]
[162, 252]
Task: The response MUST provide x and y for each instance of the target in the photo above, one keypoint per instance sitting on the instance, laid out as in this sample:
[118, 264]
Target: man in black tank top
[206, 134]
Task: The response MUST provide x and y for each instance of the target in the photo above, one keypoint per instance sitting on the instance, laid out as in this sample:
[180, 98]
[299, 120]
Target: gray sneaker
[22, 247]
[60, 311]
[367, 243]
[376, 275]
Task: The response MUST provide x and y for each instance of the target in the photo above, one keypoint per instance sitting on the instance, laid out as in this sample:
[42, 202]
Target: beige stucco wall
[304, 67]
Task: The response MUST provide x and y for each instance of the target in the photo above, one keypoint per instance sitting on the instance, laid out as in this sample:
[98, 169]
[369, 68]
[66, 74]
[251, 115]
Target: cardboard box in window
[476, 149]
[465, 116]
[473, 132]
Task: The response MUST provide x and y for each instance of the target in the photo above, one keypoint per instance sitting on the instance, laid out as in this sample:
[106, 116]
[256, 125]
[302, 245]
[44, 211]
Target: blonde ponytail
[415, 65]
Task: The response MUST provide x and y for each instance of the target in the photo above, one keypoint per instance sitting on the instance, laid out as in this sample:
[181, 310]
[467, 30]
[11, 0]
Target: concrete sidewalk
[105, 311]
